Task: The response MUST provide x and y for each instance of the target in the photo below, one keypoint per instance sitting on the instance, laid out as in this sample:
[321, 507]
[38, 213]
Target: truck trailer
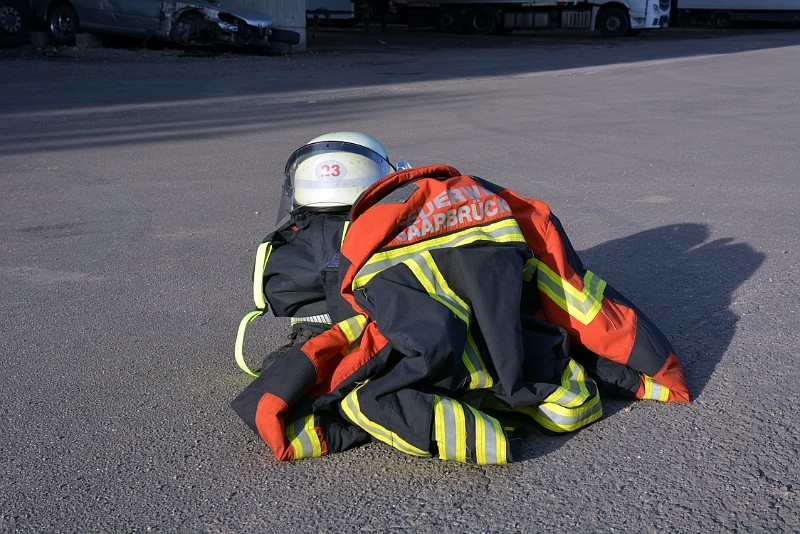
[613, 18]
[723, 13]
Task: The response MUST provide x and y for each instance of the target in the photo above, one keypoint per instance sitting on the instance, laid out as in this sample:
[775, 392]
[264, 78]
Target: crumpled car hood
[250, 16]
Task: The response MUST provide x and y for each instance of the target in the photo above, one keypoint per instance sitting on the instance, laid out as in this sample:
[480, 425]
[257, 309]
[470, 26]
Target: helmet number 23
[330, 169]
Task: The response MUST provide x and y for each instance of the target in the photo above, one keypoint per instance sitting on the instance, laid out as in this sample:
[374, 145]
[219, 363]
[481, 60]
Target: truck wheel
[63, 24]
[722, 20]
[448, 20]
[613, 22]
[15, 22]
[482, 21]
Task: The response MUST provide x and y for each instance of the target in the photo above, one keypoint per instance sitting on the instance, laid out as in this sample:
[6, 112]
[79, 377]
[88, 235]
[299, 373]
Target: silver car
[205, 22]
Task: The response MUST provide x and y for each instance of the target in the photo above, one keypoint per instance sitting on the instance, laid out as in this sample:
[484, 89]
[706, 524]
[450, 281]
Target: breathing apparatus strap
[262, 256]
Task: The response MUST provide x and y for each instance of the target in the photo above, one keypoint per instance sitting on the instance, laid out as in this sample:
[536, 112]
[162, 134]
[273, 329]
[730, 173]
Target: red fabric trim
[671, 375]
[611, 333]
[325, 351]
[323, 445]
[371, 342]
[269, 422]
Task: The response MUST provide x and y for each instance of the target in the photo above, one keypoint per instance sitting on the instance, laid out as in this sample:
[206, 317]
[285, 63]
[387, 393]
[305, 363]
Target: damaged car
[205, 22]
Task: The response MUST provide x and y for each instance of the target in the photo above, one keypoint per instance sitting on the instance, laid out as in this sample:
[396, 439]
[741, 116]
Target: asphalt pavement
[136, 185]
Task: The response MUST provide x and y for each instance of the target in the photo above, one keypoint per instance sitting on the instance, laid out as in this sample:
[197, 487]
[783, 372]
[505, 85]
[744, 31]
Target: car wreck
[208, 22]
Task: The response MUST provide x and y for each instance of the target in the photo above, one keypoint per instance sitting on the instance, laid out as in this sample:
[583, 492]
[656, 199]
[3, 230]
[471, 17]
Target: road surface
[136, 185]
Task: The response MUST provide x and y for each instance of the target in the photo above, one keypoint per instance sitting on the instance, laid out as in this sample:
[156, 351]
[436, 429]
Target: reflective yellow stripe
[262, 256]
[490, 439]
[353, 327]
[562, 419]
[238, 349]
[450, 429]
[573, 390]
[427, 273]
[344, 230]
[570, 407]
[654, 391]
[352, 409]
[424, 268]
[303, 438]
[505, 231]
[582, 305]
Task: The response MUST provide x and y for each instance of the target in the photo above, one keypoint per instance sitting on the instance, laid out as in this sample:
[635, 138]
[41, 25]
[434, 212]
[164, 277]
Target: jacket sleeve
[594, 314]
[281, 404]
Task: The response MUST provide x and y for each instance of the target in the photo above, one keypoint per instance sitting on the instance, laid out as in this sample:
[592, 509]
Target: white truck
[614, 18]
[723, 13]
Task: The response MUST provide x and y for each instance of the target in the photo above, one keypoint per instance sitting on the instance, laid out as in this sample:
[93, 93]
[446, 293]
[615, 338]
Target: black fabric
[525, 356]
[343, 308]
[301, 332]
[295, 275]
[290, 369]
[338, 433]
[611, 376]
[399, 195]
[330, 285]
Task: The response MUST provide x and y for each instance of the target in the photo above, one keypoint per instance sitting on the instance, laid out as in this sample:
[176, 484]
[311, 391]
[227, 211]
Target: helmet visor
[330, 174]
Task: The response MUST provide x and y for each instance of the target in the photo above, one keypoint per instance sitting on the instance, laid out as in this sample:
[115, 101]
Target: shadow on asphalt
[685, 284]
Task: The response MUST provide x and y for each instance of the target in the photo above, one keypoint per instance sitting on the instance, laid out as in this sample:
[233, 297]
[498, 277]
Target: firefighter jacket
[462, 310]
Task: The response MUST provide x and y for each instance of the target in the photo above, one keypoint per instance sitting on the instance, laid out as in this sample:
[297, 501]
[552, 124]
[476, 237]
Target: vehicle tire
[482, 21]
[15, 23]
[279, 35]
[63, 24]
[448, 20]
[613, 22]
[722, 20]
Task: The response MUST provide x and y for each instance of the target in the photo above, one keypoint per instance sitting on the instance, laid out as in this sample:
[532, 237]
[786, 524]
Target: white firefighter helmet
[332, 170]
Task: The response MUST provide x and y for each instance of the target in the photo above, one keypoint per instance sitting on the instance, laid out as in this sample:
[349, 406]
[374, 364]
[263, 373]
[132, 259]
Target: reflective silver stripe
[563, 419]
[450, 429]
[427, 273]
[450, 426]
[424, 268]
[303, 438]
[572, 391]
[582, 305]
[654, 391]
[322, 318]
[563, 410]
[505, 231]
[353, 327]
